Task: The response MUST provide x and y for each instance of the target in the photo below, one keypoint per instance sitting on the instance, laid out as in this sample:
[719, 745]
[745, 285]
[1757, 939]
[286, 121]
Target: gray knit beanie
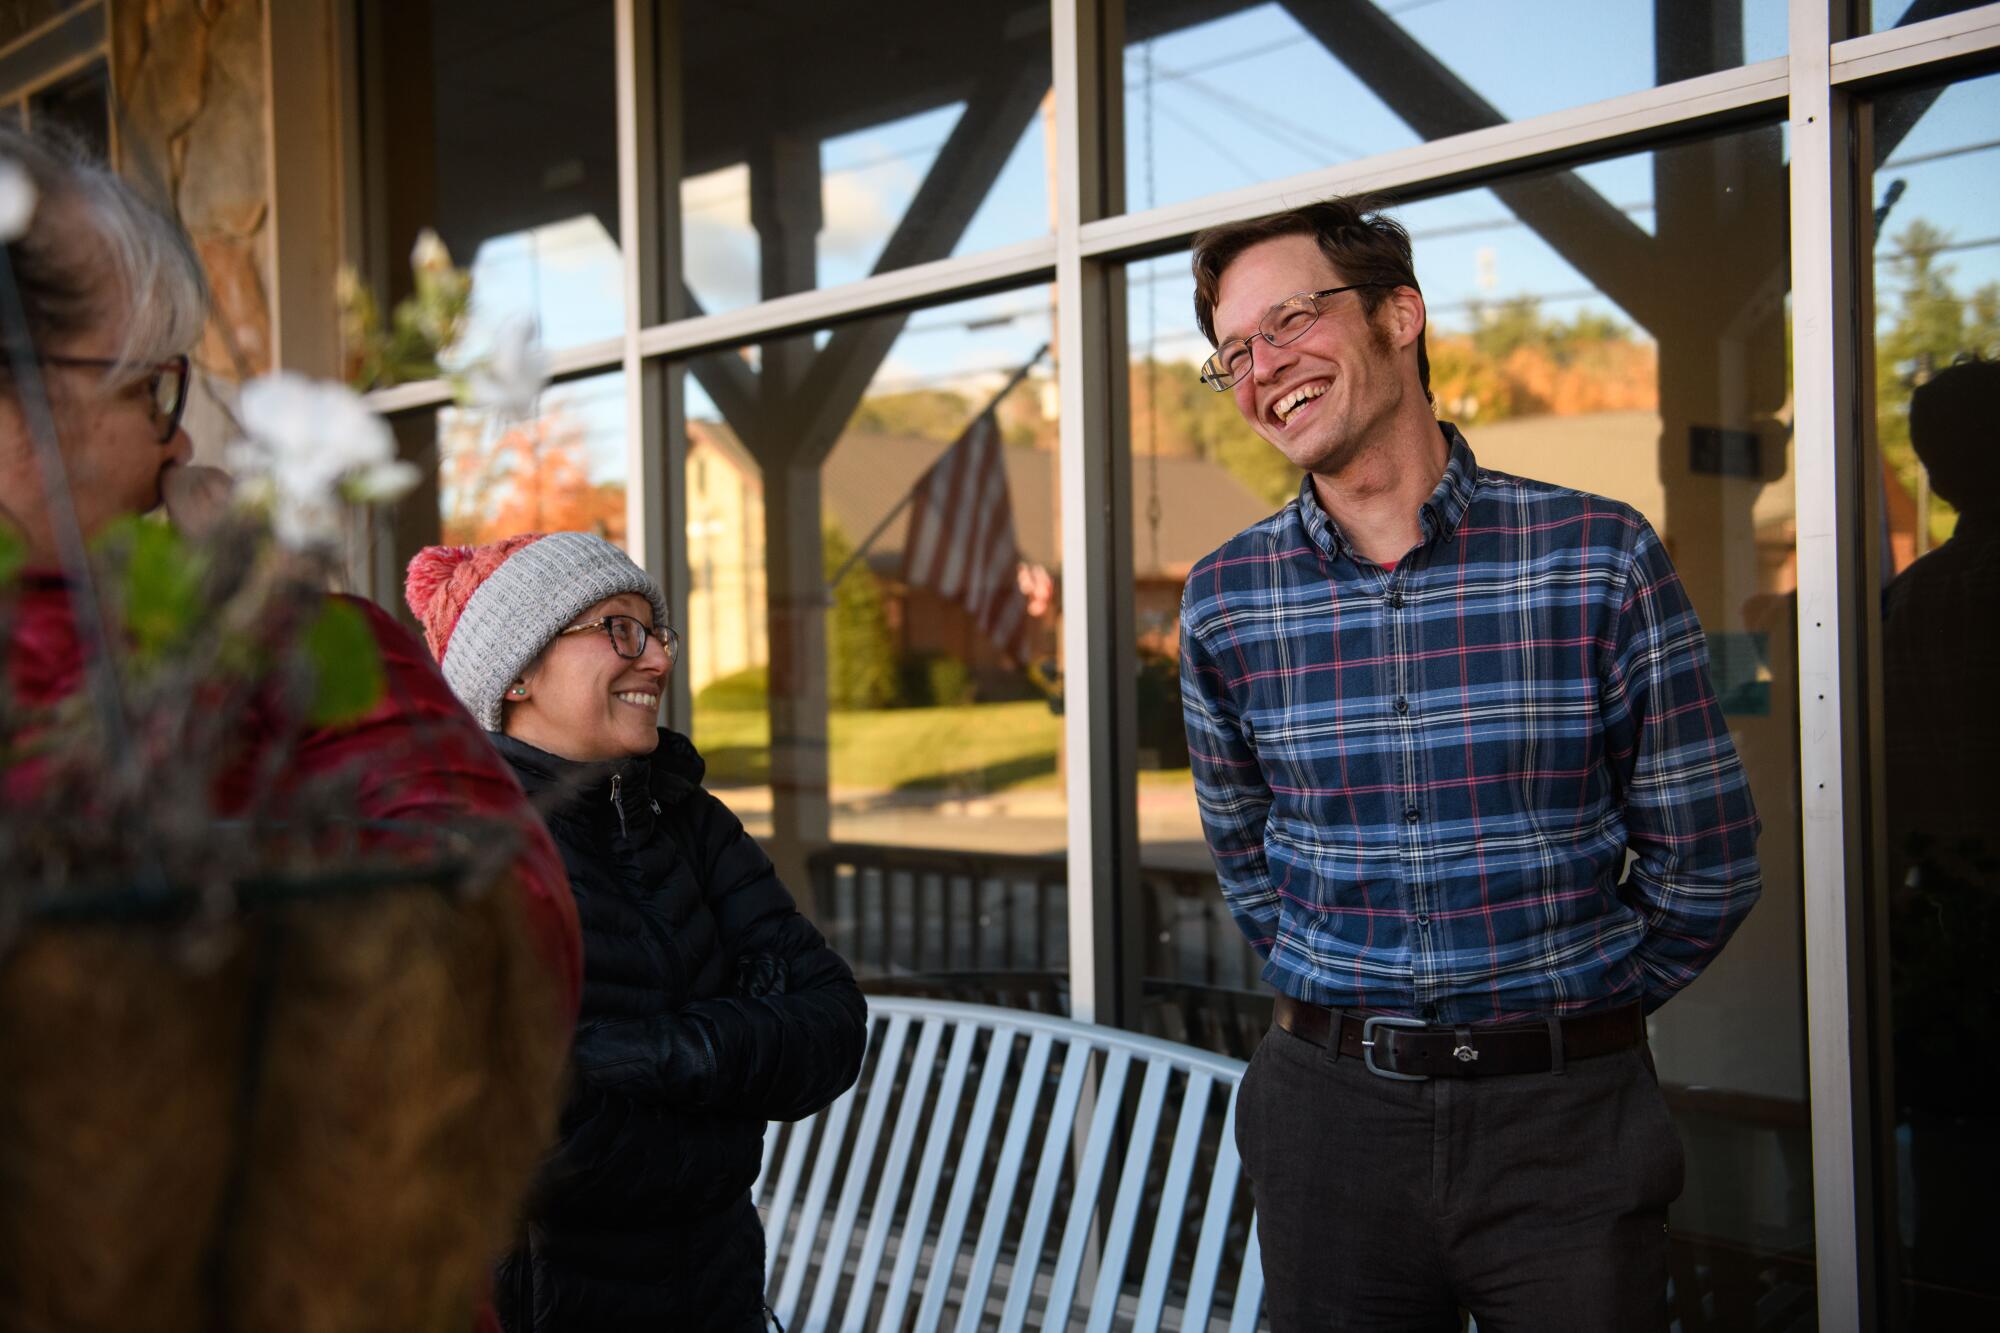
[488, 611]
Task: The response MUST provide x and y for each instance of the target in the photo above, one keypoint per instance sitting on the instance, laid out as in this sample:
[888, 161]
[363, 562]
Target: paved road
[1020, 823]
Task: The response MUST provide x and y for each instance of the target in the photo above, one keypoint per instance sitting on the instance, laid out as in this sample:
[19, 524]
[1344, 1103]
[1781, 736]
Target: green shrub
[860, 648]
[930, 680]
[744, 691]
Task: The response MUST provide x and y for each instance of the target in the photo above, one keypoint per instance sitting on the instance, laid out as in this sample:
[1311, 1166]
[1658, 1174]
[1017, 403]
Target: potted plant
[264, 1062]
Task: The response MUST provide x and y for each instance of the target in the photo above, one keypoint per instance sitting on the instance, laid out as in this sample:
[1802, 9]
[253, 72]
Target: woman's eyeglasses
[628, 635]
[166, 383]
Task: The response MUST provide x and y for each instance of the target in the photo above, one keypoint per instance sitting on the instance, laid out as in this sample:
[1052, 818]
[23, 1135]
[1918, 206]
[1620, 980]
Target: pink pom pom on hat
[488, 611]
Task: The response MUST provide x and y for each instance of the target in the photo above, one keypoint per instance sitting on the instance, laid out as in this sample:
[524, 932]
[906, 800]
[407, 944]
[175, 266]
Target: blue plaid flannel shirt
[1420, 784]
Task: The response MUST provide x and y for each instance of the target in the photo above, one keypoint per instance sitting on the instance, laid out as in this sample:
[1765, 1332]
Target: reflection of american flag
[961, 540]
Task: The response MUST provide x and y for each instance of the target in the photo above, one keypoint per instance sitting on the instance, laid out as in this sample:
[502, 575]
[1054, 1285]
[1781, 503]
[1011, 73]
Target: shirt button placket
[1421, 943]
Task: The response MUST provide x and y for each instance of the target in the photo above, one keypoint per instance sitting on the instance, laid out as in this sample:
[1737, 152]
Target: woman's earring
[519, 691]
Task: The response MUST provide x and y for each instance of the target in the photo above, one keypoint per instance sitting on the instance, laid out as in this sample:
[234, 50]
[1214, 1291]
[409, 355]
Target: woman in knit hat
[710, 1006]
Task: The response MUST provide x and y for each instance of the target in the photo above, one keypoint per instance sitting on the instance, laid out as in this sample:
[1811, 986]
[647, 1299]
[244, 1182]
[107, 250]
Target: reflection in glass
[1620, 328]
[495, 125]
[1881, 15]
[872, 653]
[562, 470]
[1270, 90]
[1937, 411]
[798, 174]
[79, 103]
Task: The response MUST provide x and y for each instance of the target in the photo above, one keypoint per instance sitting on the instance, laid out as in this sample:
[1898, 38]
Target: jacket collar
[1440, 515]
[672, 773]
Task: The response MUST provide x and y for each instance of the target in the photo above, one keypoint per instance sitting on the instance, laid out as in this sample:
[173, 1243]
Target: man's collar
[1441, 514]
[1453, 496]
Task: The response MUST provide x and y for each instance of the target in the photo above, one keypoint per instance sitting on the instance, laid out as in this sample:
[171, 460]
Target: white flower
[510, 379]
[18, 197]
[307, 445]
[428, 255]
[379, 483]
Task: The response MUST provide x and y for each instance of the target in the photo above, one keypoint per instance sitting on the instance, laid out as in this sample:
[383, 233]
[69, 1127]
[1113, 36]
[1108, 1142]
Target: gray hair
[158, 294]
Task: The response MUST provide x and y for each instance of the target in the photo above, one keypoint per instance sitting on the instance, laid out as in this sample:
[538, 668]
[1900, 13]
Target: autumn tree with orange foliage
[1518, 362]
[532, 479]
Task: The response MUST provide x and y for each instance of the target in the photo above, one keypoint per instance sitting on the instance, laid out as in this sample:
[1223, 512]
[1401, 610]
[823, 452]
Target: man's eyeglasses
[1285, 322]
[628, 635]
[166, 384]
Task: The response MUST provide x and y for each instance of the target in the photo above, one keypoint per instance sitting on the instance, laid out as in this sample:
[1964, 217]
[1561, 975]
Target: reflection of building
[725, 527]
[1618, 454]
[764, 158]
[867, 476]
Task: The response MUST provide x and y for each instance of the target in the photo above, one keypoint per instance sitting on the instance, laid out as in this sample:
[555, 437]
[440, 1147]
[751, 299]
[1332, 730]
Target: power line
[1941, 154]
[1222, 150]
[1259, 119]
[1168, 75]
[1949, 247]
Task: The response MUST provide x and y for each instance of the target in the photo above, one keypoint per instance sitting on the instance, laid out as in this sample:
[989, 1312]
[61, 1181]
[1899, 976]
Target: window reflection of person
[1940, 648]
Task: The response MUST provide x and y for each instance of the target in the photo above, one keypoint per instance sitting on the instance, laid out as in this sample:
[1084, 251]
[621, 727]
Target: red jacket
[418, 756]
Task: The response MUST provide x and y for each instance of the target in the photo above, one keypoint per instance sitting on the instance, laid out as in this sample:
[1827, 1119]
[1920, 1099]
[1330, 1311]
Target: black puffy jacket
[710, 1006]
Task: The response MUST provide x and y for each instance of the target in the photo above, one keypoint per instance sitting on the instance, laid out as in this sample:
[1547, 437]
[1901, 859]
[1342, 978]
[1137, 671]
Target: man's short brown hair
[1363, 243]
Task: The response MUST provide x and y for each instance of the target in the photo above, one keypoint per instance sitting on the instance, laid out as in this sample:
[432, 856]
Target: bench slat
[936, 1139]
[944, 1260]
[1089, 1175]
[806, 1234]
[1125, 1210]
[1041, 1201]
[1214, 1225]
[798, 1150]
[923, 1068]
[972, 1306]
[1249, 1288]
[1173, 1200]
[854, 1183]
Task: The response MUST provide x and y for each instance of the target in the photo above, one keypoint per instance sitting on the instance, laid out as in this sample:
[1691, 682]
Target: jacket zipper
[618, 805]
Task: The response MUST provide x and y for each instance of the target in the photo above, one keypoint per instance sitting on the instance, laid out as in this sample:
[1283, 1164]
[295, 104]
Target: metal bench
[924, 1198]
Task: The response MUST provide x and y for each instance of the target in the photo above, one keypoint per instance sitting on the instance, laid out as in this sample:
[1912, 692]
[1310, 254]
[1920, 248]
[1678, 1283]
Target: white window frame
[1817, 85]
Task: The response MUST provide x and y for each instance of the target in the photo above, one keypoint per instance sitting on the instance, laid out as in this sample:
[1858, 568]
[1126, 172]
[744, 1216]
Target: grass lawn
[981, 747]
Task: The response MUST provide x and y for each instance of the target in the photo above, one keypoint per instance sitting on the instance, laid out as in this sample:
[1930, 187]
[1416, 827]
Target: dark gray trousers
[1538, 1202]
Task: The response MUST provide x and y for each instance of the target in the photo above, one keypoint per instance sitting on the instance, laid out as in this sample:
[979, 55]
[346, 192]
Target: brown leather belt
[1409, 1050]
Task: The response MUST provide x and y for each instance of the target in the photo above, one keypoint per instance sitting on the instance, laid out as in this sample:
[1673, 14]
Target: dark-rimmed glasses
[628, 635]
[1285, 322]
[166, 383]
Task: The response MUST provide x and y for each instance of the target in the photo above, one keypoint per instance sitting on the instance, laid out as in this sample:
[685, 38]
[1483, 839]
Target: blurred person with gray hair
[112, 301]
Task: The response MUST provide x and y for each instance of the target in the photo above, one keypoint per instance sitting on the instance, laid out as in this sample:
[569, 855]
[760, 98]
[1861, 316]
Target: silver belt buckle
[1369, 1026]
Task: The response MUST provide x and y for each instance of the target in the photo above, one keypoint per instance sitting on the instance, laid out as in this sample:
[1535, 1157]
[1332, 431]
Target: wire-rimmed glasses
[1285, 322]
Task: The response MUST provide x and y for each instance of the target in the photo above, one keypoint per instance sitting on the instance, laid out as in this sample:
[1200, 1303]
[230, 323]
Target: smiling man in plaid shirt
[1471, 798]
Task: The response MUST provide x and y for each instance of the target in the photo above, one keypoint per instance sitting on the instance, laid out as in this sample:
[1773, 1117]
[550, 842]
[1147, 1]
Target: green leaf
[347, 665]
[13, 554]
[162, 588]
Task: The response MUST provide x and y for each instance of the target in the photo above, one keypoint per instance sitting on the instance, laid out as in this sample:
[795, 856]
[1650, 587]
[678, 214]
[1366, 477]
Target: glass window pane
[484, 479]
[800, 173]
[561, 471]
[872, 632]
[495, 125]
[1881, 15]
[1641, 355]
[1266, 91]
[80, 104]
[1936, 329]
